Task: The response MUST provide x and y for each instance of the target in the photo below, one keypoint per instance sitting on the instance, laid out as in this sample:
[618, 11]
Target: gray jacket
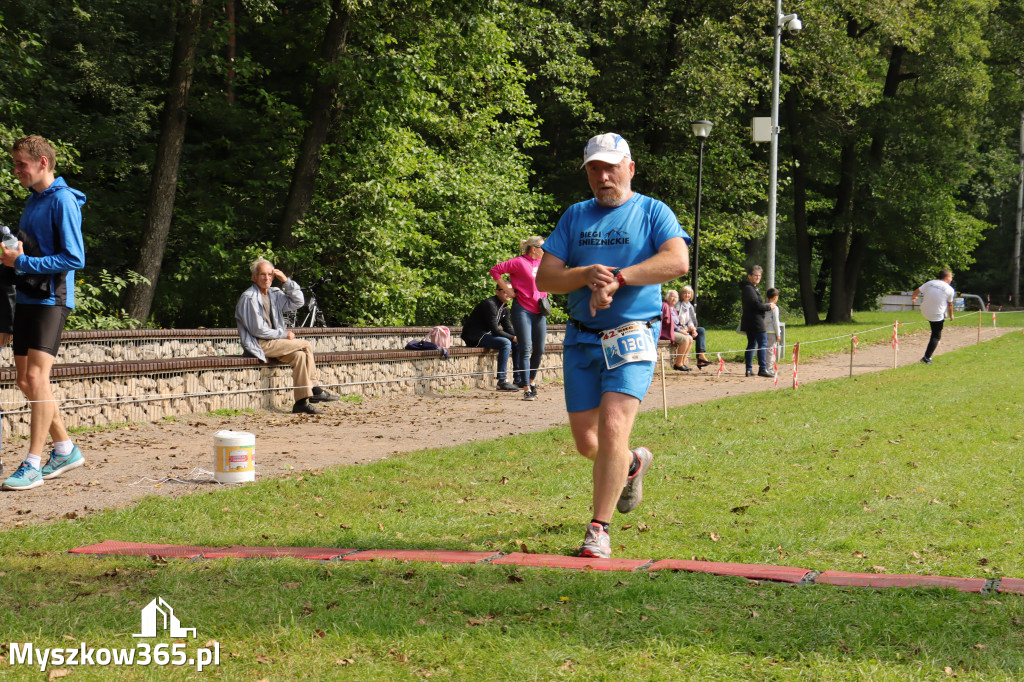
[249, 314]
[687, 315]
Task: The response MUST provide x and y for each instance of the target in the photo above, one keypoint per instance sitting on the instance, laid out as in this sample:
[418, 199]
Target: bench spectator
[490, 326]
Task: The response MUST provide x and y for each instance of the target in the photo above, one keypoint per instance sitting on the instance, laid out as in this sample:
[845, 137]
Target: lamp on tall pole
[701, 130]
[792, 24]
[1020, 221]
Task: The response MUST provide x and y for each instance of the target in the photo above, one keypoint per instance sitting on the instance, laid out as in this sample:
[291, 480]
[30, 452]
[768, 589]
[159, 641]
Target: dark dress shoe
[749, 373]
[303, 407]
[765, 373]
[322, 397]
[701, 364]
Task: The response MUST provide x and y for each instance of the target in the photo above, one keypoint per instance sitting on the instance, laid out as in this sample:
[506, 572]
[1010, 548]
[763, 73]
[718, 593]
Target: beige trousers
[299, 354]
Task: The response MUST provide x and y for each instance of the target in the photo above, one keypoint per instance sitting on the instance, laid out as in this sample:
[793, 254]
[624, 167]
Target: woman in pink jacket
[530, 325]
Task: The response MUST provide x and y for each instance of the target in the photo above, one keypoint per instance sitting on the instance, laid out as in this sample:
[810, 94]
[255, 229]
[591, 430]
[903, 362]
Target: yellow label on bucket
[235, 458]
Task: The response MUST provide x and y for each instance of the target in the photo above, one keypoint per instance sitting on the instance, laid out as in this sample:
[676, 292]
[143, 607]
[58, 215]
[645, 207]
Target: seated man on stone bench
[490, 326]
[260, 315]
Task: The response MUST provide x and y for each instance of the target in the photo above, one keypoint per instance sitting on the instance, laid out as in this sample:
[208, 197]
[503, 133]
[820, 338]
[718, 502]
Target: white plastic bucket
[234, 457]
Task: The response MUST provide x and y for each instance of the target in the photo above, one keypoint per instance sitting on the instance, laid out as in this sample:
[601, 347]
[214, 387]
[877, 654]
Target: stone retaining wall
[155, 344]
[102, 395]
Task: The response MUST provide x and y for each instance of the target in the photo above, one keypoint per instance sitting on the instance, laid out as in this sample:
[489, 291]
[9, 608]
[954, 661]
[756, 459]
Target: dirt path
[355, 433]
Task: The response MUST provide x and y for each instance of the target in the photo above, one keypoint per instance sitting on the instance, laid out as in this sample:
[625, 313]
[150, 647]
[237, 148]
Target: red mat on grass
[577, 562]
[312, 553]
[1011, 586]
[843, 578]
[145, 549]
[444, 556]
[785, 574]
[790, 574]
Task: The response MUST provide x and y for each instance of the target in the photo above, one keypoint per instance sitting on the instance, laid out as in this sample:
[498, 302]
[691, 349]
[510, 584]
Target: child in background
[771, 320]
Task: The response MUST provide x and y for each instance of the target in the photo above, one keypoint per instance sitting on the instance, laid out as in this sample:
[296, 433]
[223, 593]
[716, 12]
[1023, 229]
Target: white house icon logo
[156, 610]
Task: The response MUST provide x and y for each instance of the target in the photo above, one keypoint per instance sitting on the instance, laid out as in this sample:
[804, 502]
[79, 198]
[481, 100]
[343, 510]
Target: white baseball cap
[609, 147]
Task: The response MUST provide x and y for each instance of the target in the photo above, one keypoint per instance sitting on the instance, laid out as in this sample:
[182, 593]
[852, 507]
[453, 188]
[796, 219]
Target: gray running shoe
[596, 544]
[530, 394]
[633, 493]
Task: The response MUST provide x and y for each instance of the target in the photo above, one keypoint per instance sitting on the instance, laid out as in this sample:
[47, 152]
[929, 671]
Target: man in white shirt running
[936, 300]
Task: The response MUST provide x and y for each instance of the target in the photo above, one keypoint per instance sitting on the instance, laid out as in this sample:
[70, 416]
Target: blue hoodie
[53, 218]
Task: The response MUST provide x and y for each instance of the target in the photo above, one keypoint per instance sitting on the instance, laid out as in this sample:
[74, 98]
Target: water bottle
[9, 239]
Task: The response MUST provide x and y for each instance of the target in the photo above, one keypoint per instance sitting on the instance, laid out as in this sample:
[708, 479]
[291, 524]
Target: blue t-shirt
[589, 233]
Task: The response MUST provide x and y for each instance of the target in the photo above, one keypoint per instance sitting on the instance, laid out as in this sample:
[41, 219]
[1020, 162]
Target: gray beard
[610, 199]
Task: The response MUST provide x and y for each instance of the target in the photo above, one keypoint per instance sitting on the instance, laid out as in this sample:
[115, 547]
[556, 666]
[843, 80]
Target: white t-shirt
[936, 296]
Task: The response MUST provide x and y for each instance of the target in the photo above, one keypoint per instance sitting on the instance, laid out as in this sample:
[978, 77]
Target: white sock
[36, 461]
[64, 447]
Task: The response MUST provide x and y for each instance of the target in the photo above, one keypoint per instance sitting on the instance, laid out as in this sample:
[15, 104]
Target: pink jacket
[522, 272]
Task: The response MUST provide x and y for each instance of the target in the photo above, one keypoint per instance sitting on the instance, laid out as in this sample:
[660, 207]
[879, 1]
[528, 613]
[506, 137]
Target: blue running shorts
[587, 377]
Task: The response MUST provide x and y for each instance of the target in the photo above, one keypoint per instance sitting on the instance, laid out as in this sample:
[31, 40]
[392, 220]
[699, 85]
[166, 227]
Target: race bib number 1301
[632, 342]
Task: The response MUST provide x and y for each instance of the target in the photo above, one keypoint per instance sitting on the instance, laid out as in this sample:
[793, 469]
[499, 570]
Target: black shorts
[38, 327]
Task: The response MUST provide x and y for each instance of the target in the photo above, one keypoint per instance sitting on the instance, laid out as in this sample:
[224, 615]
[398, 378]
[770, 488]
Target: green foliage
[414, 206]
[96, 303]
[457, 130]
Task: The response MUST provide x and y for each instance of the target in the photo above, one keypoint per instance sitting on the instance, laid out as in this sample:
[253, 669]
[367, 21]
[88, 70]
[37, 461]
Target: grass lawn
[908, 471]
[869, 327]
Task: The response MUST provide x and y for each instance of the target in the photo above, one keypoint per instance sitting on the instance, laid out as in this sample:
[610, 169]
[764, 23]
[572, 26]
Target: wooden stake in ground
[796, 363]
[664, 392]
[895, 344]
[853, 349]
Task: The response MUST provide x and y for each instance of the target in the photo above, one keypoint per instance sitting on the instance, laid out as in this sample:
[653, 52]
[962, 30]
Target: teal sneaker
[25, 477]
[58, 465]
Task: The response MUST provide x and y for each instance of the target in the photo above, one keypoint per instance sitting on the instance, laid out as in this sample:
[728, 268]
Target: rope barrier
[207, 477]
[776, 352]
[156, 397]
[144, 398]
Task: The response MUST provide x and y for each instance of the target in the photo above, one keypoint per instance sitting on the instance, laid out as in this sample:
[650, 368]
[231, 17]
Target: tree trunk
[321, 107]
[824, 272]
[854, 262]
[803, 239]
[865, 213]
[849, 246]
[164, 184]
[842, 225]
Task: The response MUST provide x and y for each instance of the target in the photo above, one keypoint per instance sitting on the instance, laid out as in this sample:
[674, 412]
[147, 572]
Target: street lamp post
[793, 25]
[701, 130]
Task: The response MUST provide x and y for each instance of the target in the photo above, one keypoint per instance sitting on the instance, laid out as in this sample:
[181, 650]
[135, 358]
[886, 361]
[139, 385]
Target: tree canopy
[403, 147]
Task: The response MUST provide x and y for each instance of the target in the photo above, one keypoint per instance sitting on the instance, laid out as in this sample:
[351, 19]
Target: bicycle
[315, 315]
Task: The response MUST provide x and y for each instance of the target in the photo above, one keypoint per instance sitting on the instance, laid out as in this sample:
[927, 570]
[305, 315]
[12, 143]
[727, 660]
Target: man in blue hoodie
[50, 250]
